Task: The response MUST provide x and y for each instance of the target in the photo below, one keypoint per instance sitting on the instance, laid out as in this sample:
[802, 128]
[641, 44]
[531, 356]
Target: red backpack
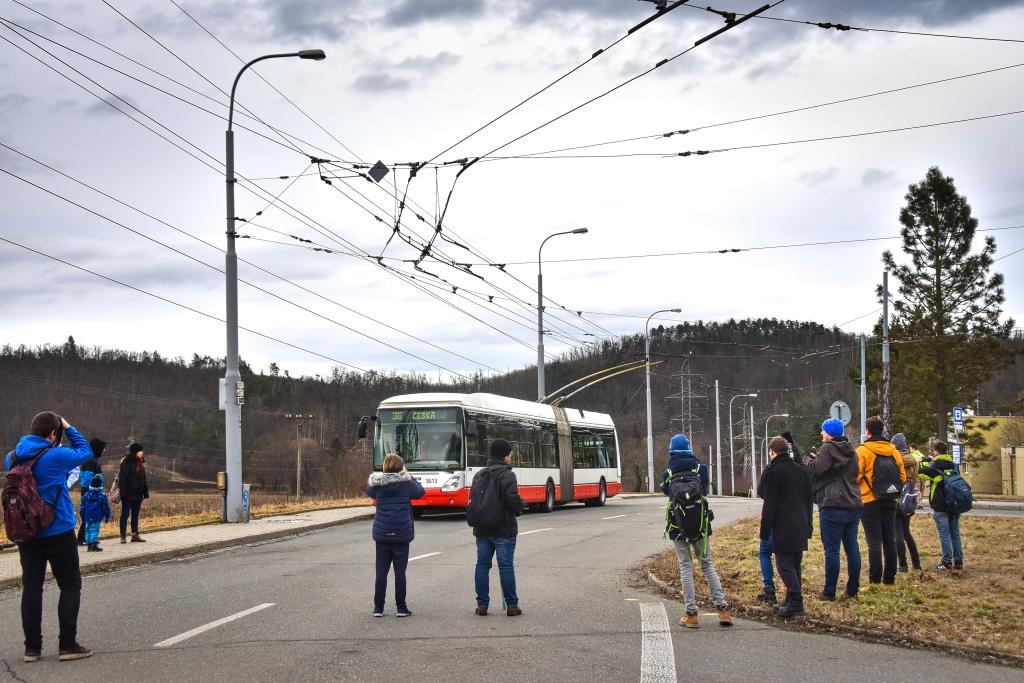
[25, 512]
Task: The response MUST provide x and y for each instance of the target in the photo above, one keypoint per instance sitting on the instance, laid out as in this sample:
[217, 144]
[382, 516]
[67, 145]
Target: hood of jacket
[841, 450]
[30, 445]
[388, 478]
[682, 462]
[881, 447]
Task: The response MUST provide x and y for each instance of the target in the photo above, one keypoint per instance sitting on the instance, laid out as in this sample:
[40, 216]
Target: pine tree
[947, 335]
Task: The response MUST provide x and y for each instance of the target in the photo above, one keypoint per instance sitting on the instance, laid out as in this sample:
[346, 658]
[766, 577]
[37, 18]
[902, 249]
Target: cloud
[13, 101]
[308, 19]
[379, 81]
[429, 64]
[108, 105]
[411, 12]
[819, 177]
[875, 176]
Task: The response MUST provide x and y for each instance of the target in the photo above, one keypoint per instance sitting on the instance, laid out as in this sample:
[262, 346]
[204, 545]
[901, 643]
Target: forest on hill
[170, 404]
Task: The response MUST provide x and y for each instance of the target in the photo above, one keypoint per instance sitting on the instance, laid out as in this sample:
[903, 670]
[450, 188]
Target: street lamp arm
[565, 232]
[304, 54]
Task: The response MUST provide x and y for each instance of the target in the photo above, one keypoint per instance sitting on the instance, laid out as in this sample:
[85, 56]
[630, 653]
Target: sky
[113, 97]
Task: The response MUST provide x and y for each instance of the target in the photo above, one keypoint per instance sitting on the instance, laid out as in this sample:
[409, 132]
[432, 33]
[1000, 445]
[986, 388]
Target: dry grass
[164, 511]
[981, 607]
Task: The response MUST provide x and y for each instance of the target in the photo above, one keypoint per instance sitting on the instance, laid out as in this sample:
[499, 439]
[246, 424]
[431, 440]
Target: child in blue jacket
[95, 510]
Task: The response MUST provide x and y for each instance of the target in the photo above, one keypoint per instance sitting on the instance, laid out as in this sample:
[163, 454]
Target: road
[306, 605]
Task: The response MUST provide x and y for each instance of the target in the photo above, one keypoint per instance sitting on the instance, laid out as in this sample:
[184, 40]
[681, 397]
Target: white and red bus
[559, 454]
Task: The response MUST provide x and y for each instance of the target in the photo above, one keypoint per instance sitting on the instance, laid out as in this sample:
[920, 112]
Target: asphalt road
[581, 619]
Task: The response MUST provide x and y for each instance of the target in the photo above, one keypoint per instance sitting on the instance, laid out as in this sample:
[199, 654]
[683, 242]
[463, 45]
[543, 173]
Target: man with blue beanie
[56, 543]
[685, 482]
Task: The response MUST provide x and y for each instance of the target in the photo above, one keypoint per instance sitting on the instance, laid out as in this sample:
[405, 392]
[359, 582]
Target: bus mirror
[363, 422]
[470, 427]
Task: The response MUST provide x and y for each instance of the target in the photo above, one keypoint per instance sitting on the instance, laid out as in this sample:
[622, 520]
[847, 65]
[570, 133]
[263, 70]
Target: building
[988, 469]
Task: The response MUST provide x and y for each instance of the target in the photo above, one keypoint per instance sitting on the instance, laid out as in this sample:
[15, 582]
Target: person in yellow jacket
[881, 476]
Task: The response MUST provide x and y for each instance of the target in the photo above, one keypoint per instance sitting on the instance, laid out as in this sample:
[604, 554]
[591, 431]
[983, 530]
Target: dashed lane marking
[657, 658]
[212, 625]
[420, 557]
[613, 517]
[535, 531]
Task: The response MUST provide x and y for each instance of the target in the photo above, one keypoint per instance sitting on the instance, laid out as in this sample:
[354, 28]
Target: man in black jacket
[786, 519]
[501, 538]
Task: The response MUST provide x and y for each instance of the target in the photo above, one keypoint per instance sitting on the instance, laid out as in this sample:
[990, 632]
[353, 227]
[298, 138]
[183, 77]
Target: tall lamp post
[234, 390]
[540, 310]
[650, 428]
[732, 460]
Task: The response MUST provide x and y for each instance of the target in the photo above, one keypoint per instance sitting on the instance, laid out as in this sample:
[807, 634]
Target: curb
[175, 553]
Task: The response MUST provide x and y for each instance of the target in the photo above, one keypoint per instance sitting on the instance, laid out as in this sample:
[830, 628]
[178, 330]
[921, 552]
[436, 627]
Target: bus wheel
[549, 499]
[602, 495]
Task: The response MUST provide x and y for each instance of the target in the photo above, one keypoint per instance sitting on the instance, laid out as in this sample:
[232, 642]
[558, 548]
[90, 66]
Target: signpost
[958, 418]
[841, 411]
[957, 457]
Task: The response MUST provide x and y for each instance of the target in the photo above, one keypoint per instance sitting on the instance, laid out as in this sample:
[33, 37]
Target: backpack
[908, 499]
[689, 516]
[885, 482]
[25, 512]
[957, 491]
[485, 509]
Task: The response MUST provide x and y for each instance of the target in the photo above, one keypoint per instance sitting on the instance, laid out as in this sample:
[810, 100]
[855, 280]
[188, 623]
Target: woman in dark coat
[786, 519]
[131, 481]
[393, 490]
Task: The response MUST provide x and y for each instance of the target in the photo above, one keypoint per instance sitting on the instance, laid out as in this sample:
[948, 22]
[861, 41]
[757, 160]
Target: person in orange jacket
[881, 476]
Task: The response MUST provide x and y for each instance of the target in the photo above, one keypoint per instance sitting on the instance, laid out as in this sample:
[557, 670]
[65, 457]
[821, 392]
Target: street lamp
[650, 429]
[540, 310]
[234, 390]
[732, 460]
[766, 431]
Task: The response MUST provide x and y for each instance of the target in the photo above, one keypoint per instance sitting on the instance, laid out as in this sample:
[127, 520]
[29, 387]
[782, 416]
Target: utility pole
[863, 389]
[753, 447]
[886, 369]
[718, 437]
[300, 422]
[688, 420]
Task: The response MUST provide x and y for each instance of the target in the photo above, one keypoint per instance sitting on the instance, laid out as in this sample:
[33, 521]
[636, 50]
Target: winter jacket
[834, 475]
[934, 472]
[94, 506]
[866, 454]
[788, 505]
[131, 478]
[910, 465]
[51, 474]
[393, 491]
[685, 463]
[508, 487]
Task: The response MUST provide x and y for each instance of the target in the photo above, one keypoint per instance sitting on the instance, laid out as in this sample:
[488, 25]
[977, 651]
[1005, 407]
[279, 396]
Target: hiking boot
[75, 651]
[481, 610]
[137, 539]
[958, 566]
[793, 607]
[513, 611]
[848, 596]
[124, 540]
[94, 548]
[403, 612]
[690, 620]
[724, 618]
[826, 598]
[32, 654]
[767, 596]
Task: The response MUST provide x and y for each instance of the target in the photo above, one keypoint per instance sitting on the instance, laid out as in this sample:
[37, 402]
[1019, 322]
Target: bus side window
[476, 447]
[548, 447]
[609, 446]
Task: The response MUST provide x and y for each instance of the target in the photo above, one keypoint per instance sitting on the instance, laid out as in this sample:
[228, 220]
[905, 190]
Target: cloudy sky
[120, 107]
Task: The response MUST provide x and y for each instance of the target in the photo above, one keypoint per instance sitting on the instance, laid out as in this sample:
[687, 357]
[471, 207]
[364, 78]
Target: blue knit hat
[680, 445]
[833, 427]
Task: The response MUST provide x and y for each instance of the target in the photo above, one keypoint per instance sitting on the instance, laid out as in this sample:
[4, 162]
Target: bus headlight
[454, 483]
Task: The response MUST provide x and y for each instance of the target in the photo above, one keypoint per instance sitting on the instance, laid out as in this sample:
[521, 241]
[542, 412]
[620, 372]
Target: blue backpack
[959, 498]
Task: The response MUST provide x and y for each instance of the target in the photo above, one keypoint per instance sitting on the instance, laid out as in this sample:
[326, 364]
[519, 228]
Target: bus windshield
[426, 438]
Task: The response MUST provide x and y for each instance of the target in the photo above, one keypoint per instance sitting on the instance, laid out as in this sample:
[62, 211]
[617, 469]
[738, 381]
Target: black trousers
[133, 507]
[389, 554]
[61, 552]
[905, 541]
[879, 520]
[791, 572]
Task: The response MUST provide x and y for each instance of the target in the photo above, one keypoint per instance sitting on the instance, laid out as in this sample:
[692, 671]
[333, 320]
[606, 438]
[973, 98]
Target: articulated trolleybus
[559, 454]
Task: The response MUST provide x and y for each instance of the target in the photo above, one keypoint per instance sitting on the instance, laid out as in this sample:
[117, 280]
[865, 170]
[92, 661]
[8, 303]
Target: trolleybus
[559, 454]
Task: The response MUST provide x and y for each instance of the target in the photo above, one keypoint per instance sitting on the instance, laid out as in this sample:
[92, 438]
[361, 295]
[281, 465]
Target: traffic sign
[956, 454]
[958, 418]
[841, 412]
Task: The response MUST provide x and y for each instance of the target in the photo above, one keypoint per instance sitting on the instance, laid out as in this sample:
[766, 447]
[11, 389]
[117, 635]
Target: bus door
[564, 456]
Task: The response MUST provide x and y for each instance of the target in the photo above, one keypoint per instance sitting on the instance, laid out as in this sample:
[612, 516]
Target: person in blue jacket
[393, 531]
[95, 510]
[57, 543]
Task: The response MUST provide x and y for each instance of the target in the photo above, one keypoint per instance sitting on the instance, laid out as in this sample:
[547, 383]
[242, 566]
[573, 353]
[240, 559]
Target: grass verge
[978, 612]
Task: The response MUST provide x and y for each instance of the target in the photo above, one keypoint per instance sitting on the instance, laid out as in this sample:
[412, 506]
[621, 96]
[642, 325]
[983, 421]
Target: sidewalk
[166, 545]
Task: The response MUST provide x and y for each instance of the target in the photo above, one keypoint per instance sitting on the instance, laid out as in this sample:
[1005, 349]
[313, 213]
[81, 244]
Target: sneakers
[690, 620]
[958, 566]
[513, 611]
[767, 596]
[943, 567]
[32, 654]
[826, 598]
[724, 618]
[94, 548]
[903, 569]
[76, 651]
[481, 610]
[378, 612]
[403, 612]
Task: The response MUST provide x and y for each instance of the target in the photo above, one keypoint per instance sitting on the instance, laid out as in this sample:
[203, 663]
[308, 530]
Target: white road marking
[420, 557]
[535, 531]
[657, 658]
[613, 517]
[212, 625]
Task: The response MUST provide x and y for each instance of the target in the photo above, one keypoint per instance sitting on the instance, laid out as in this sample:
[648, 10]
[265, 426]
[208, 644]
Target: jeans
[707, 567]
[949, 536]
[134, 507]
[791, 572]
[839, 527]
[879, 520]
[389, 554]
[905, 541]
[61, 552]
[92, 532]
[485, 551]
[764, 554]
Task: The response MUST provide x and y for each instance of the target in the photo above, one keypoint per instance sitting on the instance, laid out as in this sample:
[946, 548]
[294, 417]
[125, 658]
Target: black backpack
[486, 509]
[689, 516]
[885, 482]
